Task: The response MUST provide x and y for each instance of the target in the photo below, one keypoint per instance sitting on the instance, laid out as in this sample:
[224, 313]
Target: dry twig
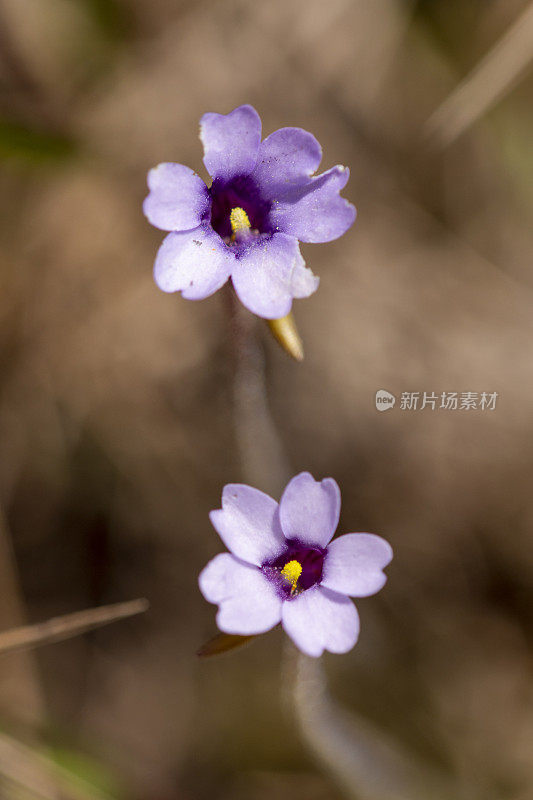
[490, 79]
[59, 628]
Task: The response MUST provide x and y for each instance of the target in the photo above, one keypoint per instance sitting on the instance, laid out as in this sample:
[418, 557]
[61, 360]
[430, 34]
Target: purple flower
[283, 566]
[247, 224]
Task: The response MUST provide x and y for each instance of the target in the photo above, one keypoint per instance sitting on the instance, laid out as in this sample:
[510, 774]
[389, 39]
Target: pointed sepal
[223, 643]
[286, 333]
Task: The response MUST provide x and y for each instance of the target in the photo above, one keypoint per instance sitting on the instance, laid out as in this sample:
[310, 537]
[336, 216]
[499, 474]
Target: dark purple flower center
[285, 571]
[240, 192]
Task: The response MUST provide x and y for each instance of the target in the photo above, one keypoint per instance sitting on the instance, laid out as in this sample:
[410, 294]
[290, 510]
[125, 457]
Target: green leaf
[85, 776]
[112, 19]
[23, 143]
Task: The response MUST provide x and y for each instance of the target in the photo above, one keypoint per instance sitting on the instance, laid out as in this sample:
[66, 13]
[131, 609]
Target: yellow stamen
[291, 572]
[239, 220]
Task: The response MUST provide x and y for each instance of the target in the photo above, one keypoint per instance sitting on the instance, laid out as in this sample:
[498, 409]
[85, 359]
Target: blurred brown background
[116, 425]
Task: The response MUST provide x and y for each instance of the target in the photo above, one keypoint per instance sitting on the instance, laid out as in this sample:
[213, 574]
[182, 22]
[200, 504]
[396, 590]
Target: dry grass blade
[29, 773]
[22, 695]
[59, 628]
[492, 77]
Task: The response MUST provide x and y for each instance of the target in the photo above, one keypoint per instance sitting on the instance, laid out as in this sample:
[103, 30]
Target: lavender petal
[248, 524]
[231, 142]
[287, 158]
[319, 620]
[354, 564]
[178, 198]
[270, 274]
[195, 263]
[248, 603]
[315, 212]
[309, 510]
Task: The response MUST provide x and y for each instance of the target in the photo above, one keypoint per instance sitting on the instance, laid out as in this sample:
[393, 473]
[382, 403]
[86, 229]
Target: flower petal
[315, 212]
[287, 157]
[354, 564]
[178, 198]
[196, 263]
[270, 273]
[247, 602]
[248, 524]
[319, 620]
[309, 510]
[231, 142]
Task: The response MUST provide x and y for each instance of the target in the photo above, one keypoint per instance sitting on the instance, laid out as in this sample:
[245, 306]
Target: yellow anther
[239, 220]
[291, 572]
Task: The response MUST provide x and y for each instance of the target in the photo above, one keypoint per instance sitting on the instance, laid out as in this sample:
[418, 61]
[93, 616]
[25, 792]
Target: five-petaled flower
[283, 566]
[263, 199]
